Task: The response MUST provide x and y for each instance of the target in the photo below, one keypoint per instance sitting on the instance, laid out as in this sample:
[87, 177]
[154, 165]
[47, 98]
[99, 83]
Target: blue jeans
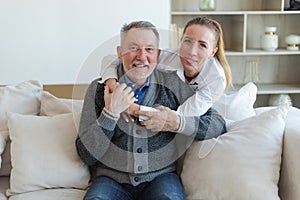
[166, 186]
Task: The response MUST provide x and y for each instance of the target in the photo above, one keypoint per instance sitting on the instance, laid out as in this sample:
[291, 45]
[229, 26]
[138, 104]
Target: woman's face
[198, 44]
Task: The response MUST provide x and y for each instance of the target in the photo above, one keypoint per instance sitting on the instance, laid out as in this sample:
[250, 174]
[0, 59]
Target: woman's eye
[187, 41]
[202, 46]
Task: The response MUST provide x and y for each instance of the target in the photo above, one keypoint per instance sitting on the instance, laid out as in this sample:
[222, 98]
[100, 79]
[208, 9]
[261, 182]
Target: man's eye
[133, 48]
[150, 49]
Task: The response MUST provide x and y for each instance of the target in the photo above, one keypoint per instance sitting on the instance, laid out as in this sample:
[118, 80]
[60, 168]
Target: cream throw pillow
[243, 163]
[43, 153]
[238, 105]
[52, 105]
[22, 98]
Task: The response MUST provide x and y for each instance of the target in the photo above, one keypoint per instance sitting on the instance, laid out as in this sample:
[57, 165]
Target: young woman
[199, 61]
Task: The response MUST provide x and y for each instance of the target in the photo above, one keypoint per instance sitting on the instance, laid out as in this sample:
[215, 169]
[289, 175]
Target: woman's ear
[214, 51]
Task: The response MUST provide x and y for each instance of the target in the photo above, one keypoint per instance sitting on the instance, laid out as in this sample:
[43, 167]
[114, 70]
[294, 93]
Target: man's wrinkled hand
[120, 99]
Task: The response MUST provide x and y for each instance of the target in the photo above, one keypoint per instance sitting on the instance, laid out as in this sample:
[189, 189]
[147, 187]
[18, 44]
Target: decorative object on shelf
[280, 99]
[251, 73]
[294, 5]
[292, 42]
[175, 35]
[269, 41]
[207, 5]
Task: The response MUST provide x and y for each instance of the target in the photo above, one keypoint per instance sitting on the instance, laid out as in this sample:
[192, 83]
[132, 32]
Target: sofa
[258, 158]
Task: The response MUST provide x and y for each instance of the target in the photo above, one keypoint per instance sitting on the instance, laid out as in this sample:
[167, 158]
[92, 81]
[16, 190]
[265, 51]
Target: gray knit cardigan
[127, 151]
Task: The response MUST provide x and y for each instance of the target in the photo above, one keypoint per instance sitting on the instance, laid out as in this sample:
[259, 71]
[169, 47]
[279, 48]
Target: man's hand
[120, 99]
[165, 120]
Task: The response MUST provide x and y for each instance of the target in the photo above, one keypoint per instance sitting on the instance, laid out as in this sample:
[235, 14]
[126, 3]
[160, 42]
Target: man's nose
[142, 54]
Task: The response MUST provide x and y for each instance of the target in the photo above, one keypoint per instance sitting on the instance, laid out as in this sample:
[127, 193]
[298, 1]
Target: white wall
[50, 40]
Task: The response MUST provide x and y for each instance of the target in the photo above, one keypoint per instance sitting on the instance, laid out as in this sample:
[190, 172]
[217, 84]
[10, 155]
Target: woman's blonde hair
[220, 54]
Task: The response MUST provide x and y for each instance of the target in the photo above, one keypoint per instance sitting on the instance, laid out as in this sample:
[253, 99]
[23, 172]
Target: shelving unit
[243, 22]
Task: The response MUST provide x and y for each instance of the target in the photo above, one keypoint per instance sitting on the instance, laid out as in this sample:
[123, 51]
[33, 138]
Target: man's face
[198, 44]
[138, 54]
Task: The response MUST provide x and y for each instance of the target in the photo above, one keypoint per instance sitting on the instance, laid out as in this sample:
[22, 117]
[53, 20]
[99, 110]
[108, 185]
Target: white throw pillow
[243, 163]
[23, 98]
[43, 153]
[238, 105]
[52, 105]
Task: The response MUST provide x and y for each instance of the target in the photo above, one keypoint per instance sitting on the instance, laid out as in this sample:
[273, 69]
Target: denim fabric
[166, 186]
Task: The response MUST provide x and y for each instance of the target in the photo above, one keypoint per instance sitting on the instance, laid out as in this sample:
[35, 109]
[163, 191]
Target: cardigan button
[136, 179]
[140, 168]
[138, 132]
[139, 150]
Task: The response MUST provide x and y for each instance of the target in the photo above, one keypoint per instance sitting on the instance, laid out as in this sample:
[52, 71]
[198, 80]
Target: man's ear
[119, 51]
[158, 54]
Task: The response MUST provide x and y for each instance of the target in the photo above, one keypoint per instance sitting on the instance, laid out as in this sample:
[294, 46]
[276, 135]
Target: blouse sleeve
[109, 66]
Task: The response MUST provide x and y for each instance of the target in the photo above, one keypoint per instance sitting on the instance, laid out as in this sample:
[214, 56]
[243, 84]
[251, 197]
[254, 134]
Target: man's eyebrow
[133, 43]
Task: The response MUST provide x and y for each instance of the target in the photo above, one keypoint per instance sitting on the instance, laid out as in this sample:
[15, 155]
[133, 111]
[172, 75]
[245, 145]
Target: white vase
[269, 41]
[292, 42]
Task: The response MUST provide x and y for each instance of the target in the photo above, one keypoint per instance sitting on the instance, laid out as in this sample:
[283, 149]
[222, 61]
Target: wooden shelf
[181, 13]
[273, 88]
[259, 52]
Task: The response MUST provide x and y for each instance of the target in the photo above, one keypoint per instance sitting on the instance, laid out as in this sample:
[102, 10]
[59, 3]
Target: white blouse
[209, 85]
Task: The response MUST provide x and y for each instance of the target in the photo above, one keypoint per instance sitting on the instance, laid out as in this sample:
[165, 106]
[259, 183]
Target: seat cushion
[51, 194]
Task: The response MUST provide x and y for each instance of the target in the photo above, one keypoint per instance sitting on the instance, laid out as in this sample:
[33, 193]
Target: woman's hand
[120, 99]
[111, 83]
[129, 115]
[165, 120]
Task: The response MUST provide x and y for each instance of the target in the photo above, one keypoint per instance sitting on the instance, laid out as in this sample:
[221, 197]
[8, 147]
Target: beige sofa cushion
[52, 105]
[51, 194]
[21, 98]
[290, 171]
[244, 163]
[43, 153]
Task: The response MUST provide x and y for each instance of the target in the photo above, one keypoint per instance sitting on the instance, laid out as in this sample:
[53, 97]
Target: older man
[137, 159]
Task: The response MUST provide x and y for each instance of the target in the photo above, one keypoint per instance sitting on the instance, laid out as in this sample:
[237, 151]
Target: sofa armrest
[289, 183]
